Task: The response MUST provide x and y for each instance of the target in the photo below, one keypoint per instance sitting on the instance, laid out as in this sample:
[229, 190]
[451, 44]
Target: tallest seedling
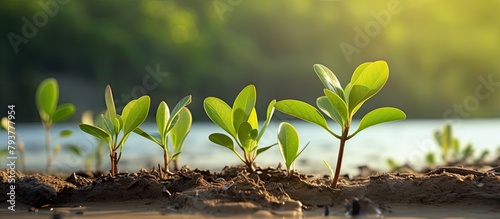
[340, 104]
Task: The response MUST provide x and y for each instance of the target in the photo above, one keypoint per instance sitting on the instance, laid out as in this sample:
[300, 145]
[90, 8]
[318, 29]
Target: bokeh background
[437, 50]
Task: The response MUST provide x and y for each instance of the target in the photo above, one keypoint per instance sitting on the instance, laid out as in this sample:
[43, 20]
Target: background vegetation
[436, 51]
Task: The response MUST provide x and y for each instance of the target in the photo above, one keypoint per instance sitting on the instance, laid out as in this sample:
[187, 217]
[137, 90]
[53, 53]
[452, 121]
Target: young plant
[115, 129]
[341, 104]
[288, 141]
[47, 96]
[241, 123]
[176, 124]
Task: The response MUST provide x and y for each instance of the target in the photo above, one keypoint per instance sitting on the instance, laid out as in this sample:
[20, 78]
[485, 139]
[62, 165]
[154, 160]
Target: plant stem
[165, 160]
[343, 139]
[112, 156]
[47, 148]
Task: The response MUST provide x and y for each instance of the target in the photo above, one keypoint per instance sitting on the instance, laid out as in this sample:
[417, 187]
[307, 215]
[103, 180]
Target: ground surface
[444, 193]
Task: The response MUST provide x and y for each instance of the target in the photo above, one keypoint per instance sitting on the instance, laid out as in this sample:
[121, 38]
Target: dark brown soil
[233, 190]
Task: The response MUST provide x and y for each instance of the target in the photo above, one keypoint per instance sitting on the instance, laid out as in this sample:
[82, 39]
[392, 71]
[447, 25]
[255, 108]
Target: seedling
[115, 128]
[175, 124]
[341, 104]
[452, 152]
[47, 96]
[288, 140]
[241, 123]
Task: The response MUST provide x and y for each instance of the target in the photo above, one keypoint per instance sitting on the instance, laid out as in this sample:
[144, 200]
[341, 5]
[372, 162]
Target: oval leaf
[110, 103]
[329, 79]
[63, 112]
[302, 111]
[181, 129]
[135, 113]
[96, 132]
[327, 107]
[47, 96]
[339, 104]
[65, 133]
[220, 113]
[288, 140]
[243, 105]
[380, 115]
[162, 116]
[246, 136]
[367, 83]
[222, 140]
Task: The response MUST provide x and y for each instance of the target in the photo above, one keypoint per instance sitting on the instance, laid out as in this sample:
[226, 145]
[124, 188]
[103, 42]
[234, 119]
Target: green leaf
[222, 140]
[110, 103]
[380, 115]
[243, 105]
[327, 107]
[47, 96]
[181, 129]
[253, 119]
[73, 149]
[339, 104]
[96, 132]
[302, 111]
[220, 113]
[329, 79]
[134, 114]
[65, 133]
[288, 140]
[144, 134]
[367, 83]
[63, 112]
[269, 115]
[175, 112]
[162, 117]
[245, 136]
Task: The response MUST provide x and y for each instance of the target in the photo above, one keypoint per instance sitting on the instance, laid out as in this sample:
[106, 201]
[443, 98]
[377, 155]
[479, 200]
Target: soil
[267, 192]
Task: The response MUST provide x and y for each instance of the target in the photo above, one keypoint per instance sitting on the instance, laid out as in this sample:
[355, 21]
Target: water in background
[405, 141]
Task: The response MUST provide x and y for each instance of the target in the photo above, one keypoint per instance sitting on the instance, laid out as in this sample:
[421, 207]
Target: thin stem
[47, 148]
[112, 156]
[343, 139]
[165, 160]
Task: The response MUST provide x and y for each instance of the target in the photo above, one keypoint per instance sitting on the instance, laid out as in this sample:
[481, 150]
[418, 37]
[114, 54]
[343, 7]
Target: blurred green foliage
[437, 50]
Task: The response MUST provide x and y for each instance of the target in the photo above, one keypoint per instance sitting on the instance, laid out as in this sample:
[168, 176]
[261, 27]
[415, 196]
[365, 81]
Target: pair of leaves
[340, 105]
[133, 115]
[240, 121]
[288, 140]
[176, 123]
[47, 97]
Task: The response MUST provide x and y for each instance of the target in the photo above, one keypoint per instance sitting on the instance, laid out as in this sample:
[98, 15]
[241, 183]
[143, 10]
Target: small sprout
[288, 141]
[175, 124]
[241, 123]
[393, 165]
[115, 129]
[47, 97]
[340, 104]
[430, 160]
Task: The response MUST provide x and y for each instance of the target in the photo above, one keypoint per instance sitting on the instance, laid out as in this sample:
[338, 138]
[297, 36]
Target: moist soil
[234, 191]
